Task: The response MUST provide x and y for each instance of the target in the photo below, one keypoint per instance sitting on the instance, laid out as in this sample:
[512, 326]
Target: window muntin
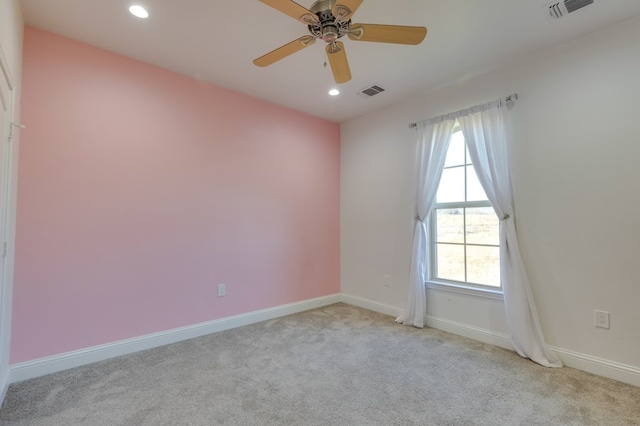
[465, 237]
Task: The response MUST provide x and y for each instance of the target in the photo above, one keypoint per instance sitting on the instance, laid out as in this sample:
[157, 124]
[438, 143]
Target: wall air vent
[373, 90]
[561, 8]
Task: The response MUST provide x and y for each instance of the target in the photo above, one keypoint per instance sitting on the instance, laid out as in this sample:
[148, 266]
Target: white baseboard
[40, 367]
[476, 333]
[588, 363]
[453, 327]
[371, 305]
[599, 366]
[591, 364]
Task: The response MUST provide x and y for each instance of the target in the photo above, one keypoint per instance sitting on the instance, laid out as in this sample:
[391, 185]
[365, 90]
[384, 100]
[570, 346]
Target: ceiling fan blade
[338, 60]
[284, 51]
[293, 9]
[387, 33]
[346, 8]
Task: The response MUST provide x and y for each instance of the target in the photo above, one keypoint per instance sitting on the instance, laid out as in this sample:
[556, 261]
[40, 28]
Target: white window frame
[464, 287]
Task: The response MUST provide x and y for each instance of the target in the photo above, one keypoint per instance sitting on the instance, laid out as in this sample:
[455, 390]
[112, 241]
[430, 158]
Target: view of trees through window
[465, 227]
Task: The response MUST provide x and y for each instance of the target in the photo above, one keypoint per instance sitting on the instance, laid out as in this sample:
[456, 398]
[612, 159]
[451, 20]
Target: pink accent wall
[140, 190]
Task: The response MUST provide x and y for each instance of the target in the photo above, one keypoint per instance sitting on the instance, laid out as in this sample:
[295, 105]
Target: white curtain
[433, 142]
[485, 131]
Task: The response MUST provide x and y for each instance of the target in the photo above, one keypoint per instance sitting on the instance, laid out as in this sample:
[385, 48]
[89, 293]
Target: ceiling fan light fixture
[330, 33]
[138, 11]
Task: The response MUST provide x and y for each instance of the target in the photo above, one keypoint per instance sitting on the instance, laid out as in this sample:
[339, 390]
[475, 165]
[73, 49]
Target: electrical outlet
[387, 280]
[222, 290]
[601, 319]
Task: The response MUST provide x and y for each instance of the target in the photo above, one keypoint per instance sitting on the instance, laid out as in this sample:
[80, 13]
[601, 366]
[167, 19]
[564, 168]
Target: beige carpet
[337, 365]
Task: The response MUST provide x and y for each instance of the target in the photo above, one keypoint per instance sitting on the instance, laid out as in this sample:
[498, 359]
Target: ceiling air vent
[370, 91]
[559, 9]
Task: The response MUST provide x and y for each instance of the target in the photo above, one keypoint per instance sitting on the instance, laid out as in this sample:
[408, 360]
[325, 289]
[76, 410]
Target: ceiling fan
[329, 20]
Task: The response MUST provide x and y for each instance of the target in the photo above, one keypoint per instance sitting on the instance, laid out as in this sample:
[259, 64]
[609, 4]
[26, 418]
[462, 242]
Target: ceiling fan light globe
[330, 33]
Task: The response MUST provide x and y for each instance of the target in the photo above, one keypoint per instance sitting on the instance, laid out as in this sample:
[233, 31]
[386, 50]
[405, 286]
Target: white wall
[575, 152]
[11, 25]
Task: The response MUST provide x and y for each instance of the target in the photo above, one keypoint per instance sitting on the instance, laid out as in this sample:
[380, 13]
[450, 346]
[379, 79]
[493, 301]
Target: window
[465, 229]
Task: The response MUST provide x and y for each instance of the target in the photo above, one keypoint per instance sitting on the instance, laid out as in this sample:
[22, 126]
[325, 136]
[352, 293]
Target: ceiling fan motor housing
[327, 29]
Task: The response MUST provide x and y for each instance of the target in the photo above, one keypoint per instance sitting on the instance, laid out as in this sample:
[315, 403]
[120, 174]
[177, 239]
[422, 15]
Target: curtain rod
[508, 99]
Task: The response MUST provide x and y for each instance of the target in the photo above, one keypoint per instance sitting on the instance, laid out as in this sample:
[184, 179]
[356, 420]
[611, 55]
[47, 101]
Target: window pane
[483, 265]
[474, 189]
[451, 187]
[450, 262]
[455, 154]
[450, 226]
[482, 226]
[465, 239]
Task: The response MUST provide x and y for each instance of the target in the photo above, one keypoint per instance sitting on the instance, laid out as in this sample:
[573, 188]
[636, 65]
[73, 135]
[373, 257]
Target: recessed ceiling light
[139, 11]
[334, 92]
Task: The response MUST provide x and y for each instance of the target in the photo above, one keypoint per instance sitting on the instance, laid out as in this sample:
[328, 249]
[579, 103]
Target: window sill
[466, 290]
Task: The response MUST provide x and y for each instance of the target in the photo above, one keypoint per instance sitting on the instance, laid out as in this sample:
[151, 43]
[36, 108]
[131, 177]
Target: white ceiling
[217, 40]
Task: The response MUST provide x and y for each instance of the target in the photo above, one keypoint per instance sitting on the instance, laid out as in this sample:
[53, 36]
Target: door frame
[8, 157]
